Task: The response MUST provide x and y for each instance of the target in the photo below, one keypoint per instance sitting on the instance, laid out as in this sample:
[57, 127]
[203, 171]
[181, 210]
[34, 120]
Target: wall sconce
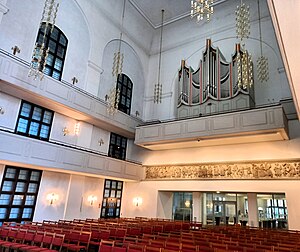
[137, 113]
[187, 203]
[65, 131]
[137, 201]
[77, 128]
[15, 50]
[100, 142]
[52, 197]
[2, 111]
[92, 199]
[74, 80]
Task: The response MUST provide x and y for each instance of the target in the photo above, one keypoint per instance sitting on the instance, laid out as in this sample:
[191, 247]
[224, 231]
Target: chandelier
[201, 8]
[113, 97]
[262, 61]
[245, 69]
[113, 101]
[158, 85]
[242, 21]
[40, 52]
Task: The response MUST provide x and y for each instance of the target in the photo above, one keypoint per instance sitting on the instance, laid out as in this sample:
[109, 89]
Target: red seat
[83, 242]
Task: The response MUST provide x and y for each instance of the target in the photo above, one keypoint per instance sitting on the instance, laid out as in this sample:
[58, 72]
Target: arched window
[57, 43]
[124, 84]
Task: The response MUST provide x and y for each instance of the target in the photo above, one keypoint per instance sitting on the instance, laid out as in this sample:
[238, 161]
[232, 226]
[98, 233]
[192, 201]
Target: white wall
[149, 191]
[73, 192]
[11, 106]
[185, 39]
[284, 150]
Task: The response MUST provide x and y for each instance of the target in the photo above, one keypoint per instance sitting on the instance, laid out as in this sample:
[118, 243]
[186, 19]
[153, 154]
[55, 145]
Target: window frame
[30, 119]
[111, 203]
[22, 194]
[116, 150]
[123, 82]
[48, 38]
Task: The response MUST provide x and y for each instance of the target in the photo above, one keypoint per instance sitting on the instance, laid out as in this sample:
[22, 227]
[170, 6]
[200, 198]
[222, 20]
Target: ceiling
[174, 10]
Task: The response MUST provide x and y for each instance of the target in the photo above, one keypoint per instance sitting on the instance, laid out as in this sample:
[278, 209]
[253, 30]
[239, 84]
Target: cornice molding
[255, 170]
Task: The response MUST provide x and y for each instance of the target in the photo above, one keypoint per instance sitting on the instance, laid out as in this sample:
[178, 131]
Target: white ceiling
[173, 10]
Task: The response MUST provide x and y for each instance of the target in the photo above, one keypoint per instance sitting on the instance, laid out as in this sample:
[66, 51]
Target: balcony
[248, 126]
[25, 151]
[61, 97]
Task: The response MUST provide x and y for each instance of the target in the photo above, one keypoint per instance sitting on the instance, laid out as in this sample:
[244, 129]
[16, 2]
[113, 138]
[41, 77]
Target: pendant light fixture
[113, 97]
[158, 86]
[40, 52]
[262, 61]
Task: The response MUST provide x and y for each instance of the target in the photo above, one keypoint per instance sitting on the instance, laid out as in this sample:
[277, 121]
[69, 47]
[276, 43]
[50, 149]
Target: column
[204, 217]
[252, 210]
[197, 203]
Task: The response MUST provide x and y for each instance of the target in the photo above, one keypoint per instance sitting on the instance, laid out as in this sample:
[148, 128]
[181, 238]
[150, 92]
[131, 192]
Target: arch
[132, 67]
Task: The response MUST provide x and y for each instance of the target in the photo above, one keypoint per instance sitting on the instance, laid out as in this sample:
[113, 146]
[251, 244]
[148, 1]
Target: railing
[72, 146]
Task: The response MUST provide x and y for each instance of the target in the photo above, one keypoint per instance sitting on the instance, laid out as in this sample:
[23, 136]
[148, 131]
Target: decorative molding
[95, 67]
[249, 170]
[4, 9]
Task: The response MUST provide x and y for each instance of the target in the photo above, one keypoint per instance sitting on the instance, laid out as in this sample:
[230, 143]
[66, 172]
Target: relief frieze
[250, 170]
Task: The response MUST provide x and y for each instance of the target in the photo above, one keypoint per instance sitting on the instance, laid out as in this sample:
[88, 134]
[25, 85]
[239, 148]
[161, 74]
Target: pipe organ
[217, 86]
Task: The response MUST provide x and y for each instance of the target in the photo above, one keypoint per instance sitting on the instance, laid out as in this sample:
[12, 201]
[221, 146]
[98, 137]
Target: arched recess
[132, 67]
[72, 21]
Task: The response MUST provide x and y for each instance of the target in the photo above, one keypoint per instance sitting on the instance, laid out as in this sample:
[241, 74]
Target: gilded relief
[253, 170]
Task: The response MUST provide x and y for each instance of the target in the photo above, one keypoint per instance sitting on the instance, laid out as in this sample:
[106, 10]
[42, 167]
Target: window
[117, 146]
[18, 194]
[124, 84]
[112, 196]
[34, 121]
[57, 43]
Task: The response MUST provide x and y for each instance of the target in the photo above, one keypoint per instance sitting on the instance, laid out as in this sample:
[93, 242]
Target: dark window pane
[23, 174]
[4, 199]
[10, 173]
[7, 186]
[63, 40]
[18, 200]
[52, 46]
[56, 75]
[29, 201]
[47, 117]
[22, 125]
[50, 59]
[20, 187]
[44, 131]
[27, 213]
[3, 212]
[54, 34]
[35, 176]
[32, 188]
[34, 128]
[60, 51]
[47, 70]
[25, 111]
[14, 212]
[37, 113]
[58, 64]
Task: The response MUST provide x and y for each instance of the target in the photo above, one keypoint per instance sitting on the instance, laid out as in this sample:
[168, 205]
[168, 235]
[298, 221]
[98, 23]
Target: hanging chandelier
[245, 69]
[113, 100]
[242, 21]
[114, 94]
[201, 8]
[158, 85]
[262, 61]
[40, 52]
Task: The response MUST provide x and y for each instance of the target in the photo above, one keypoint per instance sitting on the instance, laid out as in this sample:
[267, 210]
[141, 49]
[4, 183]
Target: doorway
[224, 213]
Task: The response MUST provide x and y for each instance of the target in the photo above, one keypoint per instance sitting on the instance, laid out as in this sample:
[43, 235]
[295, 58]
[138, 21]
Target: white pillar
[204, 209]
[197, 206]
[252, 210]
